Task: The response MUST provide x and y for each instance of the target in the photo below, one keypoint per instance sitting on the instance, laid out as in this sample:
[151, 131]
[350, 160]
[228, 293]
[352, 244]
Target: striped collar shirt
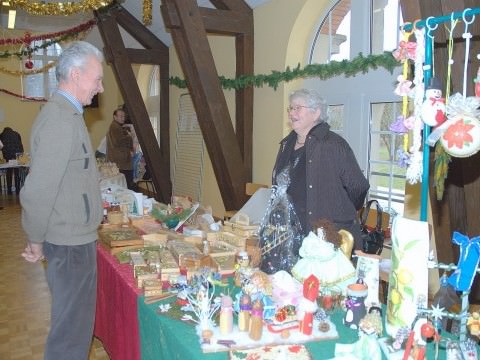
[72, 100]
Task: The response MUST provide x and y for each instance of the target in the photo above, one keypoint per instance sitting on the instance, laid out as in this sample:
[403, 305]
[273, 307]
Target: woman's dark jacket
[335, 186]
[12, 143]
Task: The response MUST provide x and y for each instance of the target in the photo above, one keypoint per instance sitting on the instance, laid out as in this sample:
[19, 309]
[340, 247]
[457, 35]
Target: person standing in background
[12, 145]
[120, 146]
[62, 204]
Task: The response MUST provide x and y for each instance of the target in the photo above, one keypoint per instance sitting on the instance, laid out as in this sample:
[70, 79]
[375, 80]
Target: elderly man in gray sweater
[61, 202]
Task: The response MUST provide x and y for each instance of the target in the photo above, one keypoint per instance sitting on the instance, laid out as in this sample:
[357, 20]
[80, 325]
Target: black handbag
[372, 238]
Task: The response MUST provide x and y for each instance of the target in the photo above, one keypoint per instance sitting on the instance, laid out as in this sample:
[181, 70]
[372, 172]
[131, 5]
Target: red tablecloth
[116, 321]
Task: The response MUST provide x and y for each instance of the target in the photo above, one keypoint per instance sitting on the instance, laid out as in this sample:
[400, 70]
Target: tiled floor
[24, 294]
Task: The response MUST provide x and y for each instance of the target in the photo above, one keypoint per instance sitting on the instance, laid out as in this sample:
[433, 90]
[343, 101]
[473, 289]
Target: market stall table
[130, 329]
[116, 320]
[22, 173]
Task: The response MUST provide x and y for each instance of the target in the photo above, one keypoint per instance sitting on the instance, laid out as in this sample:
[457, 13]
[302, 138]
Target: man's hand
[33, 252]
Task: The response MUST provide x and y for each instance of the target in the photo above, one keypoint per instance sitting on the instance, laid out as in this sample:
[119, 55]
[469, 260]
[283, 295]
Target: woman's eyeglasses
[295, 108]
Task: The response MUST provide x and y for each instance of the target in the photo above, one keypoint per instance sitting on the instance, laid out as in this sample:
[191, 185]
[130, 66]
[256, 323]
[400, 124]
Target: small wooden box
[179, 248]
[235, 240]
[168, 264]
[145, 272]
[241, 226]
[225, 264]
[121, 236]
[136, 259]
[221, 248]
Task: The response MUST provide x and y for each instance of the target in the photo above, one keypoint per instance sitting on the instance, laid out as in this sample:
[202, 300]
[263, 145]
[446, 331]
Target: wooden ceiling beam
[231, 5]
[215, 21]
[152, 56]
[157, 157]
[196, 58]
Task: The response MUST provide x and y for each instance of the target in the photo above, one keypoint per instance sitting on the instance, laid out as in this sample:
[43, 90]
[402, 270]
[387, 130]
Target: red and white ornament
[462, 136]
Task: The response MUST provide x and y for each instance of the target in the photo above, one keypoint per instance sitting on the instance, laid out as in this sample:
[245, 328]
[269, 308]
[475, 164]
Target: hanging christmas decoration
[29, 72]
[441, 157]
[405, 52]
[360, 64]
[461, 137]
[415, 164]
[147, 12]
[59, 8]
[47, 39]
[22, 96]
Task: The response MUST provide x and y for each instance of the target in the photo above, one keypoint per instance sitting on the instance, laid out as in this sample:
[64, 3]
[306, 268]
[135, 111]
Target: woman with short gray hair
[326, 181]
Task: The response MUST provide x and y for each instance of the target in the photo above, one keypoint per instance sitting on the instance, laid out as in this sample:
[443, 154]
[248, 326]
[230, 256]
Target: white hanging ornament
[460, 134]
[433, 108]
[462, 137]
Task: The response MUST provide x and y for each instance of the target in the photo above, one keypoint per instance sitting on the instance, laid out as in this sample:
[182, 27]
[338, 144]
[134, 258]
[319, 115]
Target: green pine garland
[323, 71]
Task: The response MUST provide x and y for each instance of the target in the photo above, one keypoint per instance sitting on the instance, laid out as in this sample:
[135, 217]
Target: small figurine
[256, 323]
[322, 256]
[367, 346]
[226, 315]
[308, 305]
[433, 108]
[242, 268]
[355, 303]
[244, 313]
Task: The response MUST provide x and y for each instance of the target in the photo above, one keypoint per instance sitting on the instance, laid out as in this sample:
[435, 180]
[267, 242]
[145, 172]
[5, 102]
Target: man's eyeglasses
[295, 108]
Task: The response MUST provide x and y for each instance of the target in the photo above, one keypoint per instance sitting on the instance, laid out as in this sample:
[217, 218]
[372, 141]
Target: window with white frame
[153, 101]
[43, 84]
[362, 107]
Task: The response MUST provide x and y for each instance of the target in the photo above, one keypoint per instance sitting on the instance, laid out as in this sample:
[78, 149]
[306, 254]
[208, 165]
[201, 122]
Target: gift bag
[280, 232]
[372, 238]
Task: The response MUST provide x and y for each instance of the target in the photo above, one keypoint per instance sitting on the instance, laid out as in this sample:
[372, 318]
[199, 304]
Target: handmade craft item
[408, 280]
[462, 278]
[433, 108]
[320, 258]
[286, 290]
[355, 304]
[226, 315]
[244, 313]
[308, 305]
[256, 321]
[369, 273]
[242, 268]
[367, 346]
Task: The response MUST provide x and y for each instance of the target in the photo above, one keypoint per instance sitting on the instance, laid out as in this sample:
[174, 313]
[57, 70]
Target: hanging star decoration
[438, 312]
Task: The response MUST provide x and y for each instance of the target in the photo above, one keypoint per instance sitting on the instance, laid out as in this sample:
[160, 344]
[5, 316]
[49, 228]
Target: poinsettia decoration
[458, 134]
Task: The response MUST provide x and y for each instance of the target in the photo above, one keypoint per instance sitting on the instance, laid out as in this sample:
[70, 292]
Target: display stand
[431, 24]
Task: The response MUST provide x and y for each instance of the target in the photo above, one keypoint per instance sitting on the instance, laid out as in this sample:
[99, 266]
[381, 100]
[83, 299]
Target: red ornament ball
[29, 64]
[427, 330]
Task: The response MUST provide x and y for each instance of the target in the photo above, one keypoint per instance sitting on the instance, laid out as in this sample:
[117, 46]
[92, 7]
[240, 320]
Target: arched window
[362, 107]
[41, 85]
[153, 101]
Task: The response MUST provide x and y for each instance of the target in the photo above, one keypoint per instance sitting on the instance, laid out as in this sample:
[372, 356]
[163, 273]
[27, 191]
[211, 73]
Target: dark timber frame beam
[121, 59]
[230, 151]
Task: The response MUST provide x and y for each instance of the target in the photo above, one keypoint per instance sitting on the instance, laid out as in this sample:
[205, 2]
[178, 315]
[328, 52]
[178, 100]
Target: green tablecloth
[163, 337]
